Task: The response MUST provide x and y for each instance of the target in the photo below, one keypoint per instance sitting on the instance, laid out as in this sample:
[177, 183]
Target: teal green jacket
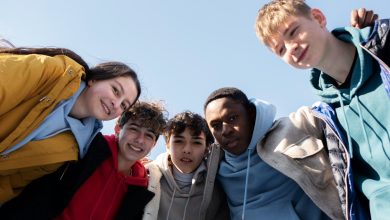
[363, 111]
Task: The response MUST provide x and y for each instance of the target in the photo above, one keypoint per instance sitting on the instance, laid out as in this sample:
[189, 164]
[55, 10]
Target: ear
[168, 148]
[117, 130]
[319, 17]
[155, 142]
[207, 151]
[91, 82]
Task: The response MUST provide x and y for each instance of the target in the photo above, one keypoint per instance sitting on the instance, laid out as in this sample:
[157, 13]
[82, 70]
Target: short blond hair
[274, 13]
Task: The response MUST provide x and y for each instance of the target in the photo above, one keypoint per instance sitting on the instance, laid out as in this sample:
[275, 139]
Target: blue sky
[181, 49]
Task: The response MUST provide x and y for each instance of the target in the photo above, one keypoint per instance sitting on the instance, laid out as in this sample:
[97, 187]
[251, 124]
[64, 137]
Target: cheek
[174, 156]
[217, 137]
[151, 145]
[201, 153]
[118, 113]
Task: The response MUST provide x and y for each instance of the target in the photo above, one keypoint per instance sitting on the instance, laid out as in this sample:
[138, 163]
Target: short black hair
[151, 115]
[228, 92]
[190, 120]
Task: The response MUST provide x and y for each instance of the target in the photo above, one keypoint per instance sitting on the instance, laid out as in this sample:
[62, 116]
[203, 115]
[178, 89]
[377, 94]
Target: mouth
[185, 160]
[134, 148]
[229, 144]
[106, 108]
[303, 54]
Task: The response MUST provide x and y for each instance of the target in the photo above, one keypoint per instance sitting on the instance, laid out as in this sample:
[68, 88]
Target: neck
[78, 110]
[124, 166]
[338, 59]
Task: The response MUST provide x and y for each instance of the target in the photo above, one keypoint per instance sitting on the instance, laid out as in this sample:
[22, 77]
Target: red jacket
[102, 193]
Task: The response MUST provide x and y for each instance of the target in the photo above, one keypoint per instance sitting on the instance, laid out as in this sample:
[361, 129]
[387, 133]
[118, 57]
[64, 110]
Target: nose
[226, 129]
[292, 46]
[116, 105]
[140, 139]
[187, 149]
[292, 49]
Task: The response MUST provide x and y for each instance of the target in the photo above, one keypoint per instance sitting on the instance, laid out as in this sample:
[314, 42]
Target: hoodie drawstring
[362, 125]
[346, 122]
[188, 199]
[170, 205]
[246, 184]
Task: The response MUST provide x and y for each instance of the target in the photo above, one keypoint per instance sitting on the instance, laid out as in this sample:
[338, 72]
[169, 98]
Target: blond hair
[274, 13]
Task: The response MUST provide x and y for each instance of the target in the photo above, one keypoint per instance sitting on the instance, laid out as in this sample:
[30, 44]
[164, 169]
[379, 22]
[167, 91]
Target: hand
[145, 160]
[362, 18]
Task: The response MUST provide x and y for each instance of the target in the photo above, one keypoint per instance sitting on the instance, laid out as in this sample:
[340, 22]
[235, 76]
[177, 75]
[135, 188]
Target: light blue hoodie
[257, 191]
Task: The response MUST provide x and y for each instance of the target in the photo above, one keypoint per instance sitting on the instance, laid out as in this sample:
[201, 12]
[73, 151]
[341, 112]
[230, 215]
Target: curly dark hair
[187, 119]
[149, 114]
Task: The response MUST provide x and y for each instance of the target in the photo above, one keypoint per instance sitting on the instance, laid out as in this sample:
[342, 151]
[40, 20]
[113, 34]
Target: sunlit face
[135, 141]
[187, 150]
[230, 123]
[300, 41]
[107, 99]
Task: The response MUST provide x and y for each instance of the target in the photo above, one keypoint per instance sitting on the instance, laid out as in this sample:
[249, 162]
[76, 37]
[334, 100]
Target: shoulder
[292, 135]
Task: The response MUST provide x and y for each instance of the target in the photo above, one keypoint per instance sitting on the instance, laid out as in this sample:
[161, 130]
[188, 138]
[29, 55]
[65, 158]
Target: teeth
[135, 148]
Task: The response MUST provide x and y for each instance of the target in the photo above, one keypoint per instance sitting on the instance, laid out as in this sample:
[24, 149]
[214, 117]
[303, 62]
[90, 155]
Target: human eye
[233, 118]
[177, 141]
[281, 50]
[198, 143]
[216, 125]
[293, 31]
[150, 136]
[115, 90]
[133, 129]
[124, 106]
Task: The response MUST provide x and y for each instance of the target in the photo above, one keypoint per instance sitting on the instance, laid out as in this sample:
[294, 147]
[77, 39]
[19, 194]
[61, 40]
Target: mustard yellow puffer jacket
[30, 88]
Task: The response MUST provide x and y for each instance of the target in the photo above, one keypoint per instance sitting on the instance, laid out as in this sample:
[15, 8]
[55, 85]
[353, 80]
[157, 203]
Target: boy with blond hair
[350, 71]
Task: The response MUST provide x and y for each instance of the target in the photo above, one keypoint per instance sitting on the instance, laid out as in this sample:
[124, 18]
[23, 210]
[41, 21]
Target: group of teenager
[327, 161]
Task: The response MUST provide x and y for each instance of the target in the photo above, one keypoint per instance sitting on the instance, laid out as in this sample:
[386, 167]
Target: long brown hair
[102, 71]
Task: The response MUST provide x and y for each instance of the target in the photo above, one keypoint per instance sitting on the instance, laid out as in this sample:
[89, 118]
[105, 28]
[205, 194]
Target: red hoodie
[101, 194]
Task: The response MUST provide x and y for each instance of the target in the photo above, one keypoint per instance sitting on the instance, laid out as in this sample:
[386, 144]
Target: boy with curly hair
[183, 178]
[110, 182]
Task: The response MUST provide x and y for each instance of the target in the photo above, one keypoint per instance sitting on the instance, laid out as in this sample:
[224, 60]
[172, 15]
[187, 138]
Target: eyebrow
[197, 137]
[120, 85]
[134, 124]
[288, 28]
[139, 126]
[178, 136]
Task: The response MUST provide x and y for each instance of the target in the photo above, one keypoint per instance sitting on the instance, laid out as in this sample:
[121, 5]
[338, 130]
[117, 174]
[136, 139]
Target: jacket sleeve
[296, 147]
[133, 205]
[25, 76]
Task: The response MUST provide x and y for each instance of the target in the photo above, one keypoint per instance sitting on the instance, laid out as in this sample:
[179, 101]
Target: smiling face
[187, 150]
[135, 142]
[301, 41]
[230, 123]
[106, 99]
